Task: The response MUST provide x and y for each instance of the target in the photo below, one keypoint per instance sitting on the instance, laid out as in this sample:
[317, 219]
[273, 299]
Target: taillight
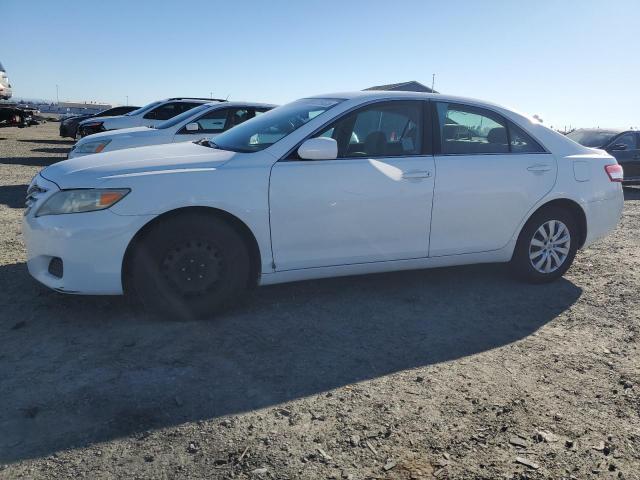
[615, 172]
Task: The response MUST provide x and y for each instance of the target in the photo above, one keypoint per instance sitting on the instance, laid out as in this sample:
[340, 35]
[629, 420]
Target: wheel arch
[240, 227]
[572, 207]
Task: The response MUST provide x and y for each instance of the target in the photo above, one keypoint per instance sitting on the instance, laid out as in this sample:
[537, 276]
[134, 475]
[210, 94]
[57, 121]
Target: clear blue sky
[573, 62]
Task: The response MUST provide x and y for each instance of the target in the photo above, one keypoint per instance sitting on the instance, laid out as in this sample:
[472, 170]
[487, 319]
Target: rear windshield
[593, 139]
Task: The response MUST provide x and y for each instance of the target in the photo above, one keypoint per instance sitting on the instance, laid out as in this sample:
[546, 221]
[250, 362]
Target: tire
[535, 258]
[188, 267]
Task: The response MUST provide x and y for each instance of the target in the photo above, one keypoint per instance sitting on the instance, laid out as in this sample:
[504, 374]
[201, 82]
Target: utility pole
[211, 95]
[433, 81]
[57, 96]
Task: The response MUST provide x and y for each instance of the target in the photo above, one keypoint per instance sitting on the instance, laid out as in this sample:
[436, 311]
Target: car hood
[79, 118]
[93, 119]
[93, 170]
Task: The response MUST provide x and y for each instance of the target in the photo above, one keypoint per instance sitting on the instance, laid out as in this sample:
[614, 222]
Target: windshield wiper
[205, 142]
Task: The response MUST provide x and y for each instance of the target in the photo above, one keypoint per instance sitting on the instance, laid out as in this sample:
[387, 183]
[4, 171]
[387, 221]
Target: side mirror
[617, 147]
[192, 127]
[318, 149]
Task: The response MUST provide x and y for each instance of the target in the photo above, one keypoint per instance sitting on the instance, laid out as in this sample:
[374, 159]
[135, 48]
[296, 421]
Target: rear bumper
[603, 217]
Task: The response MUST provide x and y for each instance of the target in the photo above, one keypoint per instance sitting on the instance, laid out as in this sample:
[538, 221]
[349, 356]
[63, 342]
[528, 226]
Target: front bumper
[91, 246]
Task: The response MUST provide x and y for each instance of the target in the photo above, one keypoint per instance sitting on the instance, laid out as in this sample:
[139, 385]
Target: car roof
[191, 99]
[237, 103]
[383, 94]
[602, 130]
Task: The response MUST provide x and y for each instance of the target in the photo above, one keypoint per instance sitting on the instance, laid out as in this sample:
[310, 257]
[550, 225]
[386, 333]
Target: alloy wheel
[549, 247]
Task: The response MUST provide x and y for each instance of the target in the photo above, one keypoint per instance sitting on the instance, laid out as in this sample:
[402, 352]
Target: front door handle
[416, 174]
[539, 168]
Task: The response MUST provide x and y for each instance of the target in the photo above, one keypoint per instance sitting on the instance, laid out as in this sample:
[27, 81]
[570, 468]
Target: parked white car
[5, 86]
[206, 121]
[326, 186]
[148, 116]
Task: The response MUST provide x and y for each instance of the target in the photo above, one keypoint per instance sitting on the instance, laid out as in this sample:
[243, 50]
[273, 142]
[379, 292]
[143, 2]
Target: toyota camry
[326, 186]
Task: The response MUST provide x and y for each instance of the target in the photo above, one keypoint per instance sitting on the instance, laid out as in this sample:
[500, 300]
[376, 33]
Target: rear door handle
[416, 174]
[539, 168]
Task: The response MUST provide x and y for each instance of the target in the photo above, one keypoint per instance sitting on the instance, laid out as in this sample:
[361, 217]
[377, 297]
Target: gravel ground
[455, 373]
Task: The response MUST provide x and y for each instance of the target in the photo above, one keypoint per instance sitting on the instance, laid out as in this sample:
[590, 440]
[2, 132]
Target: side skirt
[495, 256]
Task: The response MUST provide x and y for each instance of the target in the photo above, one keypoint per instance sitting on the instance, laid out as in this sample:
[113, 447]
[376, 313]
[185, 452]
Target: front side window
[386, 129]
[238, 116]
[627, 139]
[182, 117]
[214, 121]
[265, 130]
[467, 130]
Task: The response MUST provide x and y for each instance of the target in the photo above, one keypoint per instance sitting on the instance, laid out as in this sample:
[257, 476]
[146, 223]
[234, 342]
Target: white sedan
[340, 184]
[205, 121]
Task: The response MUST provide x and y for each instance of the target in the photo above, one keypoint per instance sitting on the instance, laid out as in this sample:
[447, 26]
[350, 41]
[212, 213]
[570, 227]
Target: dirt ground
[457, 373]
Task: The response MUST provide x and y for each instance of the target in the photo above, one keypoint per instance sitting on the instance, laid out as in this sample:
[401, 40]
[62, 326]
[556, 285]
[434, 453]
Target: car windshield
[592, 138]
[145, 108]
[183, 116]
[266, 129]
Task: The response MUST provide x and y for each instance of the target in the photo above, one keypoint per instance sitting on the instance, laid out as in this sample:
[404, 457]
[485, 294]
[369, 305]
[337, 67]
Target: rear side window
[521, 142]
[165, 112]
[381, 130]
[466, 130]
[184, 106]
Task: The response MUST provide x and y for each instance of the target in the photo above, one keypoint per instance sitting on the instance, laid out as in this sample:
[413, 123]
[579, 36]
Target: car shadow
[13, 195]
[57, 142]
[30, 161]
[55, 150]
[75, 371]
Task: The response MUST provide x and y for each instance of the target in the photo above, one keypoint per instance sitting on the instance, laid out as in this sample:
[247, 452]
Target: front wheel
[546, 247]
[189, 267]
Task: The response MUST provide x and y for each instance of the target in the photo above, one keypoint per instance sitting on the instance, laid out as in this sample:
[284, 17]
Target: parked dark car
[624, 145]
[69, 126]
[14, 116]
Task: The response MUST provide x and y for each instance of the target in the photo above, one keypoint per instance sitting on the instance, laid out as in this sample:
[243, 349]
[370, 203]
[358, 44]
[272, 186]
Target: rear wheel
[188, 267]
[546, 247]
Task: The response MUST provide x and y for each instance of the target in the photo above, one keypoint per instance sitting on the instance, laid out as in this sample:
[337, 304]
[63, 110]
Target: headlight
[86, 200]
[92, 147]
